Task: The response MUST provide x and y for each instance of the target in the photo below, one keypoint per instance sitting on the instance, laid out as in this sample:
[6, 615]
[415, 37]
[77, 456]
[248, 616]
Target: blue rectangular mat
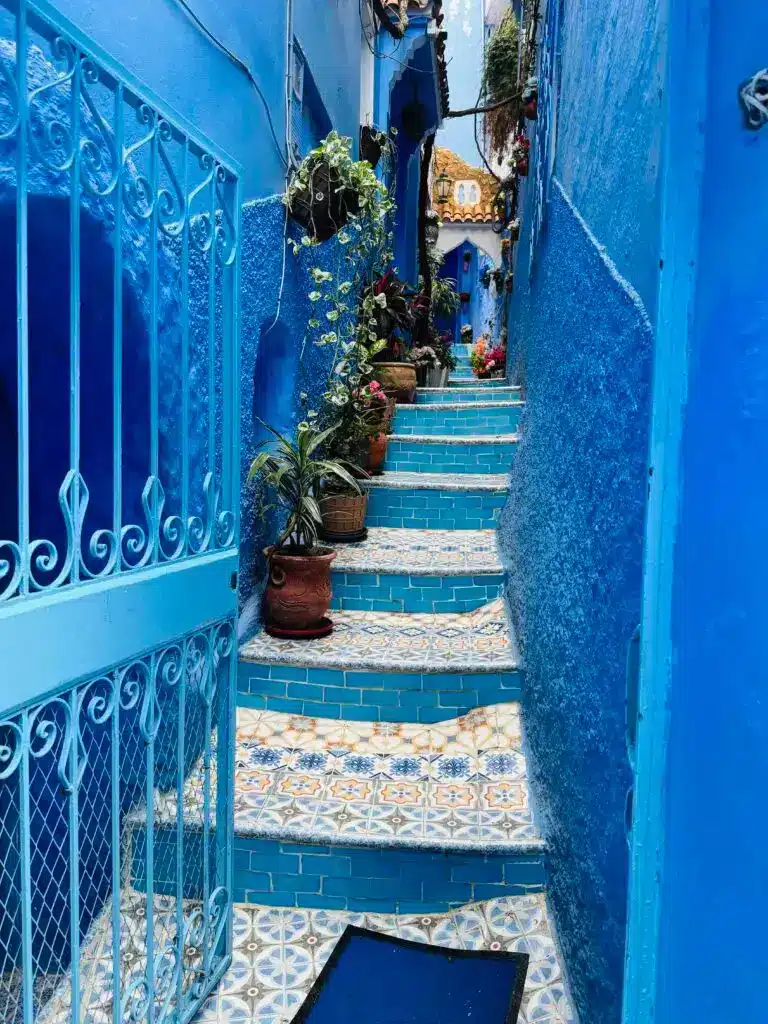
[372, 978]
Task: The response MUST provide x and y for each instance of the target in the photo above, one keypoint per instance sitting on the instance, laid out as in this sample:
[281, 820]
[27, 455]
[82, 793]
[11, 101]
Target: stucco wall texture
[571, 536]
[276, 365]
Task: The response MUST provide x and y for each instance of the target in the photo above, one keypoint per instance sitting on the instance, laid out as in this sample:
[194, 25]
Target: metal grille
[114, 824]
[118, 319]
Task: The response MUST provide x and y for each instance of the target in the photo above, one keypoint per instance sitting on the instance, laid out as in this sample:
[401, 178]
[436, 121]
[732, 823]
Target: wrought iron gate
[119, 470]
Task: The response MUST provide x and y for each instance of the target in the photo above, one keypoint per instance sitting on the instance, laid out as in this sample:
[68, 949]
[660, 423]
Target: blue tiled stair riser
[488, 382]
[436, 457]
[386, 880]
[468, 421]
[394, 592]
[434, 510]
[426, 697]
[432, 396]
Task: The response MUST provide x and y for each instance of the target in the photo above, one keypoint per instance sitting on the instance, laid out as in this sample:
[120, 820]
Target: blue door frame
[118, 536]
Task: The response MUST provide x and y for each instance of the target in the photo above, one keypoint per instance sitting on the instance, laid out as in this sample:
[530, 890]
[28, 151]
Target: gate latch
[754, 98]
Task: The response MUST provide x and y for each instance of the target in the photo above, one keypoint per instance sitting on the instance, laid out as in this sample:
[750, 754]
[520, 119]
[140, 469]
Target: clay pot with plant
[298, 592]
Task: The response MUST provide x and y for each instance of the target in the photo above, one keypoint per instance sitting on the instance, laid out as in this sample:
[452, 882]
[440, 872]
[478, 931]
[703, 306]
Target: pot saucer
[324, 627]
[344, 538]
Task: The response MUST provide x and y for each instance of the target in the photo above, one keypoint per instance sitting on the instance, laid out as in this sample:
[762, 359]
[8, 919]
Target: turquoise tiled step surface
[409, 570]
[446, 454]
[436, 501]
[428, 396]
[278, 954]
[387, 667]
[461, 419]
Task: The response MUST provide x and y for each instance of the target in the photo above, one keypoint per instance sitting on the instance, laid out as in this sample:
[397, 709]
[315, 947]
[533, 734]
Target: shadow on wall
[571, 536]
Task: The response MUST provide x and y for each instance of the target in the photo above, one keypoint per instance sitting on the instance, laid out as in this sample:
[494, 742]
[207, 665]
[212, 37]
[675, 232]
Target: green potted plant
[298, 592]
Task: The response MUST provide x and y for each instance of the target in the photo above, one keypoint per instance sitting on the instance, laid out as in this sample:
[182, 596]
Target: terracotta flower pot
[377, 451]
[298, 592]
[398, 380]
[344, 515]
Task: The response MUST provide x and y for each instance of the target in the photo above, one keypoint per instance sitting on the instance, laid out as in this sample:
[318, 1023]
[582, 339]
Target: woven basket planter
[344, 515]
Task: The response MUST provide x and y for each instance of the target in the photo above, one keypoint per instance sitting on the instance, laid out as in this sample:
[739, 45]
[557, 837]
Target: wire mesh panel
[114, 822]
[118, 319]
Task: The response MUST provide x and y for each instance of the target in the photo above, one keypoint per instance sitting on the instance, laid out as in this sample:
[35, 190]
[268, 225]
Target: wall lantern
[467, 260]
[431, 227]
[443, 188]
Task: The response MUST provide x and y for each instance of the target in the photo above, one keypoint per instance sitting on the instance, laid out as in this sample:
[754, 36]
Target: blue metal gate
[118, 538]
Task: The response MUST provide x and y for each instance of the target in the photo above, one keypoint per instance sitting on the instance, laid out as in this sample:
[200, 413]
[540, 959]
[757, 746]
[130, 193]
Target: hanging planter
[330, 187]
[530, 99]
[514, 230]
[485, 278]
[498, 279]
[508, 283]
[372, 144]
[506, 248]
[465, 296]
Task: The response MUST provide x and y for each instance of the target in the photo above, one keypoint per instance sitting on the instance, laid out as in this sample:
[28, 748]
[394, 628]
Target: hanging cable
[239, 63]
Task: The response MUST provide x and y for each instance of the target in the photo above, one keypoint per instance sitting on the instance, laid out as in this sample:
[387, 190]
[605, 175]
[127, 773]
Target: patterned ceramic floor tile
[277, 955]
[462, 781]
[436, 552]
[479, 641]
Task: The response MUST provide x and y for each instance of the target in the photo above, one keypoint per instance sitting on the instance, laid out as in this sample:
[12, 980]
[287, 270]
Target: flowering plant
[466, 334]
[425, 355]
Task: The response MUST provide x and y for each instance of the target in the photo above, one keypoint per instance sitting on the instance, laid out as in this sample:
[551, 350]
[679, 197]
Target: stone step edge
[438, 406]
[284, 833]
[505, 387]
[403, 569]
[373, 664]
[392, 480]
[453, 439]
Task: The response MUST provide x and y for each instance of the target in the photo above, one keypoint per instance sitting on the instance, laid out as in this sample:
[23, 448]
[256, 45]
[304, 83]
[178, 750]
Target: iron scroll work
[134, 217]
[754, 99]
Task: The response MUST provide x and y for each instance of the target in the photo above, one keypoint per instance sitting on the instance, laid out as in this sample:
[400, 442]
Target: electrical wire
[387, 56]
[239, 63]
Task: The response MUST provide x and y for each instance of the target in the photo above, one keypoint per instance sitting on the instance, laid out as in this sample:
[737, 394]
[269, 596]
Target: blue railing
[118, 390]
[114, 806]
[119, 486]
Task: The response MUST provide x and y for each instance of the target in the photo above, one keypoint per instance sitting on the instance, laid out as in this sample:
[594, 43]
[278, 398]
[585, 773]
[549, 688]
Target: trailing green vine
[500, 80]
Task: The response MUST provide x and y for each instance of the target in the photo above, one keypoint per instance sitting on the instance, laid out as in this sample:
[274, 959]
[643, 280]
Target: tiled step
[435, 501]
[423, 453]
[388, 667]
[429, 396]
[460, 419]
[366, 816]
[464, 381]
[278, 954]
[408, 570]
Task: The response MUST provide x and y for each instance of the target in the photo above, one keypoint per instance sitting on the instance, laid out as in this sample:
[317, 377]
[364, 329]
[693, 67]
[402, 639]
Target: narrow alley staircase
[380, 774]
[380, 778]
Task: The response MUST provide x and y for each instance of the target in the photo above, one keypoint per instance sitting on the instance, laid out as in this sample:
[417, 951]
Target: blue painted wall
[572, 533]
[159, 43]
[714, 898]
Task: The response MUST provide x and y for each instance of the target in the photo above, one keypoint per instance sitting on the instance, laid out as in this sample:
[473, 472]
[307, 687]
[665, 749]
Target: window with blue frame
[310, 122]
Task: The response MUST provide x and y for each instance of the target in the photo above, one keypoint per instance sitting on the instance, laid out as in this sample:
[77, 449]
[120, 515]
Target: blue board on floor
[377, 979]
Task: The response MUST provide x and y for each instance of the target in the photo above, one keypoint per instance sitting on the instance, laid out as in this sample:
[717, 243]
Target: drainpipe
[289, 86]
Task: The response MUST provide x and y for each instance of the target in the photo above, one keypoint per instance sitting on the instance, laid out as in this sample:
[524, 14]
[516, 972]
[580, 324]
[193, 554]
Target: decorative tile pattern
[432, 552]
[426, 454]
[278, 954]
[478, 641]
[463, 419]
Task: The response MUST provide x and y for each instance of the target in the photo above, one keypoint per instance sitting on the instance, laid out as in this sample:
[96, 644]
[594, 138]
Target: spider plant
[294, 471]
